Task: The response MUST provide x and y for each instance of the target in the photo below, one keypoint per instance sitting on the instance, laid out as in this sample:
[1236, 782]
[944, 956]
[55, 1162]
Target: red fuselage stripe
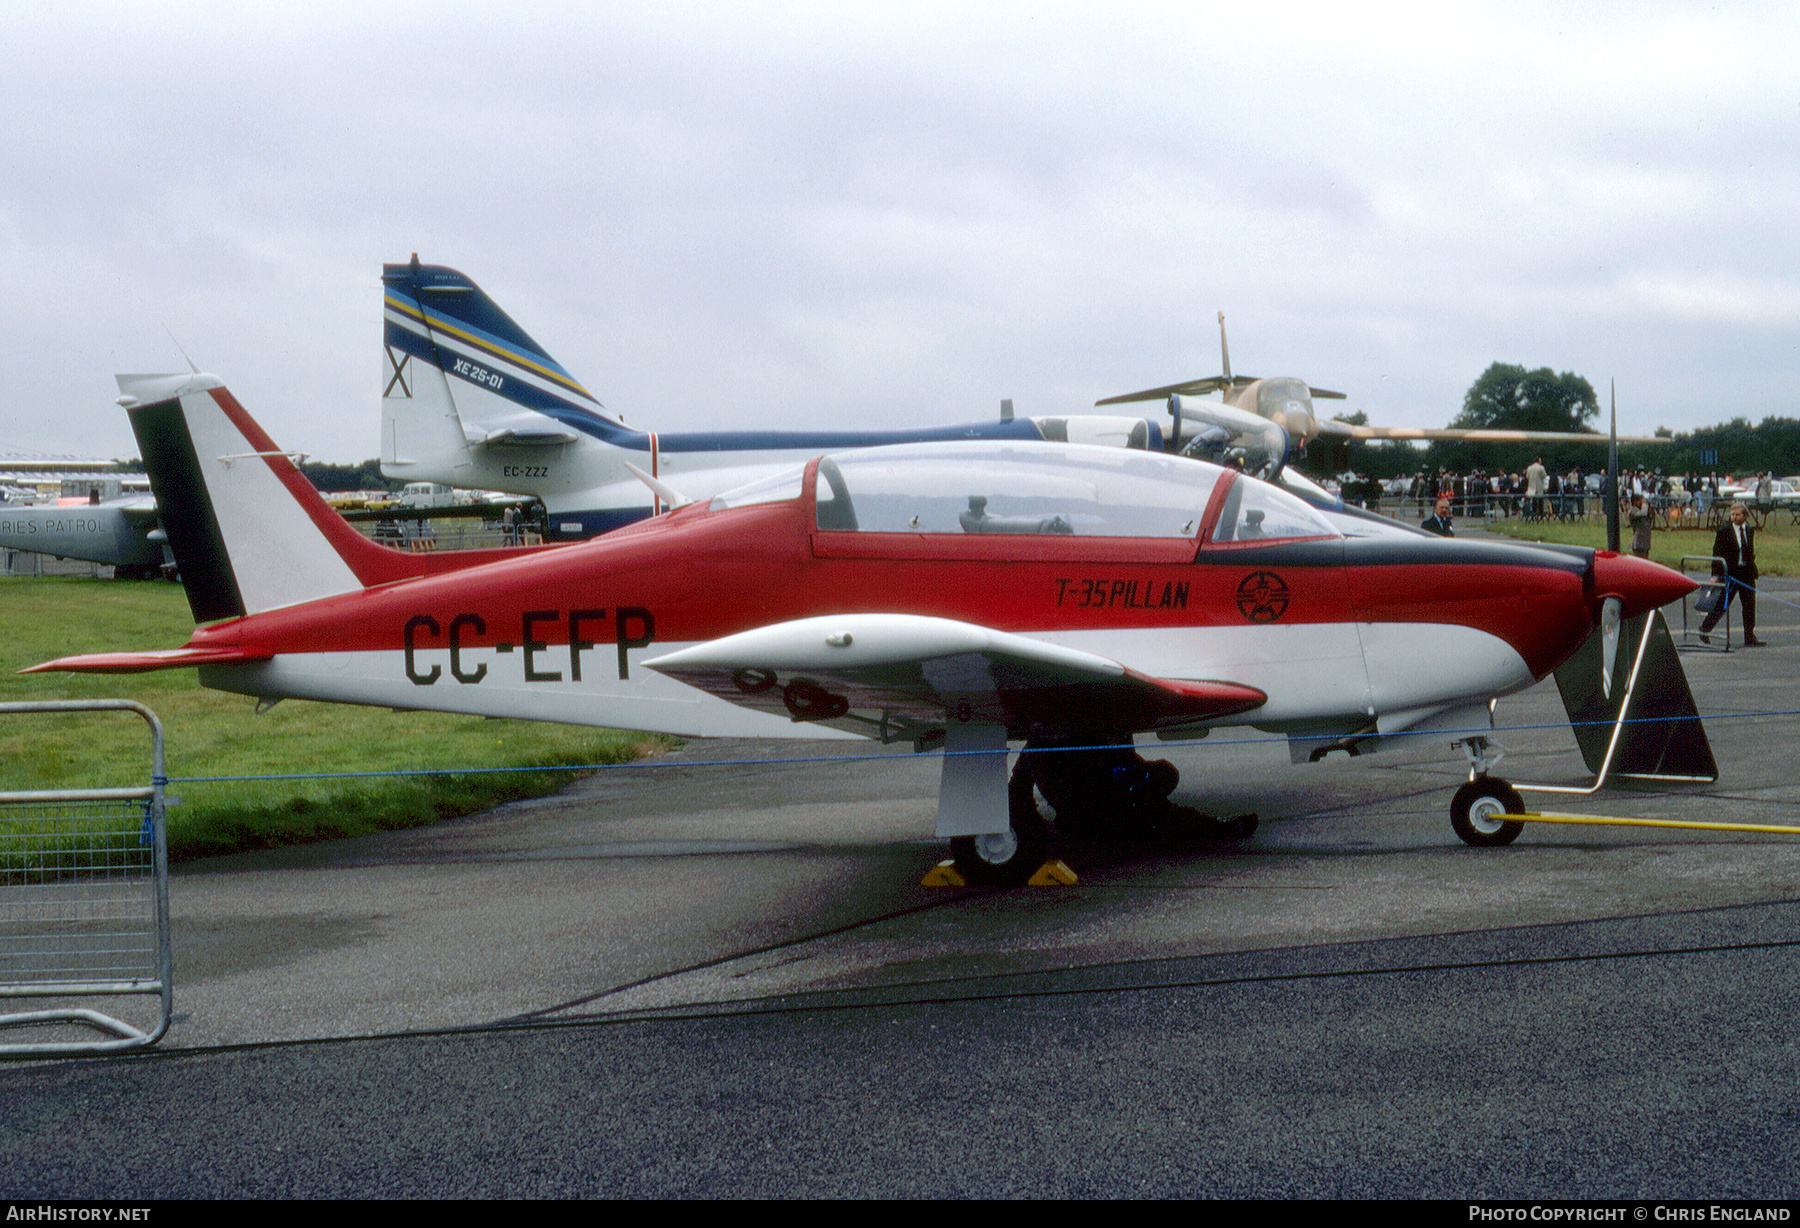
[699, 575]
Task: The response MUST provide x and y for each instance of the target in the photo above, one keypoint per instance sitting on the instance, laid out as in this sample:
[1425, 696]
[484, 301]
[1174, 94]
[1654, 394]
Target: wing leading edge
[906, 676]
[1473, 434]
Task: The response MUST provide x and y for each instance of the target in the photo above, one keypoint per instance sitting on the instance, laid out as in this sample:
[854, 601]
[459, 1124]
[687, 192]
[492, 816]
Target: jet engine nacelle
[1105, 430]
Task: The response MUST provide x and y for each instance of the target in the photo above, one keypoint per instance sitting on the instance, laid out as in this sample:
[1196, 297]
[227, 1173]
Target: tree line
[1505, 395]
[1509, 396]
[327, 478]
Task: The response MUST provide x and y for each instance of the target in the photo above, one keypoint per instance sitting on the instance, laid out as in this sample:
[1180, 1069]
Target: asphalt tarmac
[717, 974]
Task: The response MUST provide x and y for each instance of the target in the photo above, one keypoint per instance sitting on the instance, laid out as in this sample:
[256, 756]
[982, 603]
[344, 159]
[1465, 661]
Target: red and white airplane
[962, 595]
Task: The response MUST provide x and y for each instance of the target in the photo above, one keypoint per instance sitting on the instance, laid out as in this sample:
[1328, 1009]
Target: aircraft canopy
[1033, 489]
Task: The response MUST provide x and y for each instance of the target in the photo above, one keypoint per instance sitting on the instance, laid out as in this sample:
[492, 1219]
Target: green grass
[1777, 543]
[209, 733]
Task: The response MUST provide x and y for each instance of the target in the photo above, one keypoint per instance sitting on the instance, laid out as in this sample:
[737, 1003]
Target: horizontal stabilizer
[1200, 388]
[513, 437]
[1190, 388]
[145, 662]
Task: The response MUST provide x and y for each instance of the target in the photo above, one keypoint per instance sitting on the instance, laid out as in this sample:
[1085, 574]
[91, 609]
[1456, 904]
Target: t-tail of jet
[461, 375]
[469, 399]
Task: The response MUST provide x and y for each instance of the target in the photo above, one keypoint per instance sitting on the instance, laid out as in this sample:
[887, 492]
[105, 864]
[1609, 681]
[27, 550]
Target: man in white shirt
[1735, 543]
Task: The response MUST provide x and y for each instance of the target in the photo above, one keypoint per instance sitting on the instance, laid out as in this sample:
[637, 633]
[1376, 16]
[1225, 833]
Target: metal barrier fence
[448, 533]
[84, 901]
[26, 563]
[1691, 636]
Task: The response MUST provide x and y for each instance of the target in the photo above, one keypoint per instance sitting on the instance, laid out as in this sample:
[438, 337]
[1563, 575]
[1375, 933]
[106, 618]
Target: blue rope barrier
[1258, 740]
[1793, 605]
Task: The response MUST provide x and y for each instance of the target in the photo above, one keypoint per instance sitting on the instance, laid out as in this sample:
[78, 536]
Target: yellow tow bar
[1551, 816]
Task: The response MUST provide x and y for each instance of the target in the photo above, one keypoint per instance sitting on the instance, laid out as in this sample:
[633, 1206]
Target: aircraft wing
[457, 511]
[1344, 430]
[1192, 388]
[1200, 388]
[904, 676]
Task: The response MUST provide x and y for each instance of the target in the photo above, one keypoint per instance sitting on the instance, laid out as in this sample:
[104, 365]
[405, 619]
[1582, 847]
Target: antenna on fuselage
[1612, 474]
[184, 353]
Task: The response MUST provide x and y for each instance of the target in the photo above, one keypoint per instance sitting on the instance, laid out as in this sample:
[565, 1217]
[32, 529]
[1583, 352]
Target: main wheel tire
[1006, 858]
[1476, 809]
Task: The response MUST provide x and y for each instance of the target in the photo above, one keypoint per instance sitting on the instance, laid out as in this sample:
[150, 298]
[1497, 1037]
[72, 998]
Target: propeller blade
[1612, 611]
[1610, 495]
[1659, 734]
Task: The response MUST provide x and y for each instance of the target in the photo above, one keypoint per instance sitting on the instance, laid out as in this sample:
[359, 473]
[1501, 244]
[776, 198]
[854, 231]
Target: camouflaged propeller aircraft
[1274, 416]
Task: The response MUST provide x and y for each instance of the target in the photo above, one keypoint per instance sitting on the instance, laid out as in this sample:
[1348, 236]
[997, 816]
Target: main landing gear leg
[996, 834]
[1478, 810]
[1009, 857]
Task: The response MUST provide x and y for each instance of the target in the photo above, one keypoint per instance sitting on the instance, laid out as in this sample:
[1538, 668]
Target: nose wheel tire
[1478, 812]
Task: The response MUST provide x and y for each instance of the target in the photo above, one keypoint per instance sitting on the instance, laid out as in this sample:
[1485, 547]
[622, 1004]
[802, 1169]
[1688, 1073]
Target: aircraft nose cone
[1639, 584]
[1299, 425]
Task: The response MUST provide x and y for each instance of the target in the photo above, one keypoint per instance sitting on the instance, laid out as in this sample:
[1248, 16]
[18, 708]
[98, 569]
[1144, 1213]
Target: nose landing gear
[1478, 811]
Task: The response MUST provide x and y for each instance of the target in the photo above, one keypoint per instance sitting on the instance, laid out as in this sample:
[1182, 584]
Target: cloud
[807, 214]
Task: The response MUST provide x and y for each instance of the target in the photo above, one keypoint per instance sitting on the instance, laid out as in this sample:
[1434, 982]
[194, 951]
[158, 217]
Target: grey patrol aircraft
[123, 533]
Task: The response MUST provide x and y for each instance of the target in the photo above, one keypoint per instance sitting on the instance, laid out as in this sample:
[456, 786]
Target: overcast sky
[807, 215]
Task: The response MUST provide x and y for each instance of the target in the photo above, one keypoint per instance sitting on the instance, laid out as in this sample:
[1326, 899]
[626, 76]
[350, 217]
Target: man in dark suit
[1440, 523]
[1735, 542]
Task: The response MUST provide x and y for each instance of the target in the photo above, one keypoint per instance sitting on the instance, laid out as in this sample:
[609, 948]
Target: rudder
[460, 374]
[247, 529]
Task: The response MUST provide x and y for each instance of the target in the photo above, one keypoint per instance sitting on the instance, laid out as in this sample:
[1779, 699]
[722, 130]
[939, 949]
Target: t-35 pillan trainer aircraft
[962, 595]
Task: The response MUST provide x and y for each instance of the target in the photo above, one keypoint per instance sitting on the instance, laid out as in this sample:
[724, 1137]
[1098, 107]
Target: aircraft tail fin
[461, 375]
[247, 529]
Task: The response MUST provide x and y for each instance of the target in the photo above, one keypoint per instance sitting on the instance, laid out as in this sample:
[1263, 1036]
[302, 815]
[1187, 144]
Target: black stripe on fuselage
[187, 511]
[1395, 552]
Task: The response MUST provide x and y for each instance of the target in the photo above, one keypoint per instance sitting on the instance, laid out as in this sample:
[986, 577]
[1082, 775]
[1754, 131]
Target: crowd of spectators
[1541, 495]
